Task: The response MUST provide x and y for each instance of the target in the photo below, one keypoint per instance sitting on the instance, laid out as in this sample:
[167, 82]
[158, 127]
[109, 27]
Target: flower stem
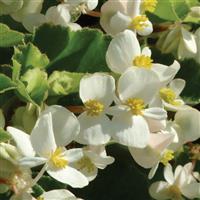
[94, 14]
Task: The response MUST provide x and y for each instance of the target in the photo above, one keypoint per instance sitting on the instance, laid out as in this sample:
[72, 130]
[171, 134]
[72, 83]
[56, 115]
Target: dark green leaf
[81, 51]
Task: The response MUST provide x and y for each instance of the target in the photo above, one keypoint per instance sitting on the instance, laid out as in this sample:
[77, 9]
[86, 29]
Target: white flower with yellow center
[168, 97]
[136, 88]
[178, 185]
[97, 93]
[155, 152]
[55, 128]
[89, 160]
[124, 52]
[57, 15]
[118, 15]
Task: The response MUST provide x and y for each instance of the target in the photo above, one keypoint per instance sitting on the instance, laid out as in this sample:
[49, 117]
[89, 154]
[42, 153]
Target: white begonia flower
[118, 15]
[136, 88]
[155, 152]
[181, 183]
[55, 128]
[57, 15]
[187, 126]
[97, 93]
[124, 52]
[29, 7]
[185, 45]
[89, 160]
[82, 6]
[168, 97]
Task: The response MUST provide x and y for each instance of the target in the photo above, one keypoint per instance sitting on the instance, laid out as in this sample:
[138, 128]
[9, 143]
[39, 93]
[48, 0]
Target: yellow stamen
[136, 105]
[143, 61]
[167, 156]
[93, 107]
[169, 96]
[175, 192]
[139, 22]
[149, 5]
[86, 163]
[57, 158]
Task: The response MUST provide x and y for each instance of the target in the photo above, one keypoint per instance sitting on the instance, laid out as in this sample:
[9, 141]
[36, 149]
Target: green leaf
[8, 37]
[172, 10]
[35, 81]
[6, 84]
[4, 135]
[22, 92]
[27, 57]
[80, 51]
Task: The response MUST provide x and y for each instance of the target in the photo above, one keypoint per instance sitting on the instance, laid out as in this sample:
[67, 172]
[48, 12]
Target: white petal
[65, 124]
[32, 161]
[155, 113]
[100, 161]
[73, 155]
[122, 50]
[150, 155]
[130, 130]
[147, 30]
[60, 194]
[146, 51]
[92, 4]
[160, 141]
[159, 190]
[119, 22]
[153, 170]
[168, 174]
[94, 130]
[138, 83]
[146, 157]
[117, 110]
[33, 20]
[74, 26]
[22, 141]
[108, 9]
[177, 85]
[156, 125]
[189, 124]
[99, 86]
[166, 73]
[58, 15]
[69, 176]
[191, 190]
[181, 177]
[189, 41]
[42, 136]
